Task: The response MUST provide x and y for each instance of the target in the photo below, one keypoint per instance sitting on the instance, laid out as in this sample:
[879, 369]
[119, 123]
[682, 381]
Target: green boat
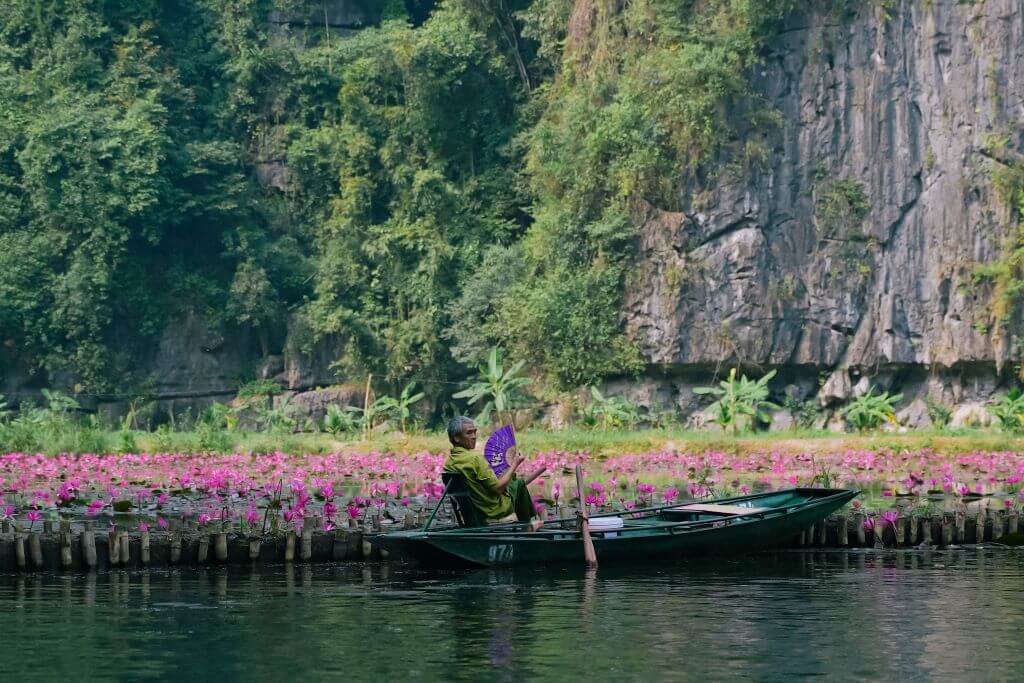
[724, 526]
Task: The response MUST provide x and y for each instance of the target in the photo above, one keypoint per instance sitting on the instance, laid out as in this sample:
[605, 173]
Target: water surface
[845, 615]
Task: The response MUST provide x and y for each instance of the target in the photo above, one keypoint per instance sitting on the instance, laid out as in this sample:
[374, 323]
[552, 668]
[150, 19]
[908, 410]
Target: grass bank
[597, 442]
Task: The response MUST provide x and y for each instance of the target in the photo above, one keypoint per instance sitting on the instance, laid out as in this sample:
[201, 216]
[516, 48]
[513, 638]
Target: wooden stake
[65, 543]
[822, 533]
[997, 524]
[901, 531]
[947, 531]
[254, 548]
[144, 547]
[979, 526]
[35, 550]
[959, 532]
[19, 549]
[915, 521]
[204, 549]
[289, 547]
[1012, 522]
[843, 532]
[175, 554]
[926, 531]
[858, 528]
[306, 541]
[125, 548]
[220, 546]
[89, 546]
[339, 548]
[113, 547]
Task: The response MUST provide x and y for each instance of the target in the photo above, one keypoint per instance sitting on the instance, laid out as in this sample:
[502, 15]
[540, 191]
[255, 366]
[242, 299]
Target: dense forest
[596, 187]
[458, 177]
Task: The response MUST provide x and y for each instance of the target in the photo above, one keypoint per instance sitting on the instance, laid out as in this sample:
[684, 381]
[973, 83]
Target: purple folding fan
[494, 450]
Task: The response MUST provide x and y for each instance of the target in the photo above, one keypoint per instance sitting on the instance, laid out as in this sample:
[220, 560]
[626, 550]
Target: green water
[846, 615]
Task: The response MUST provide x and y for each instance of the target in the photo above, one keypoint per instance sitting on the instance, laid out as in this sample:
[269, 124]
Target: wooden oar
[589, 556]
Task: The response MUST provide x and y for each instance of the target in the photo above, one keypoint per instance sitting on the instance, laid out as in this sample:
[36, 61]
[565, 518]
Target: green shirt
[482, 483]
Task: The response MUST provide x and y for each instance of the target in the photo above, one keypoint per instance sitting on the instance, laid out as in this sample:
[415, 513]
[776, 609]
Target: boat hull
[708, 536]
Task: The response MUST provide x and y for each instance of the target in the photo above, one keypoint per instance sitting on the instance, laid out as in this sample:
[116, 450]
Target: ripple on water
[858, 614]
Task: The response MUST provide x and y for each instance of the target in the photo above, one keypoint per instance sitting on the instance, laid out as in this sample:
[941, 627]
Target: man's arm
[509, 474]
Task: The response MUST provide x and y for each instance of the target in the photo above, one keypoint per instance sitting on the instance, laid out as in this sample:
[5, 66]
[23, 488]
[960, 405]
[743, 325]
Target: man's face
[467, 437]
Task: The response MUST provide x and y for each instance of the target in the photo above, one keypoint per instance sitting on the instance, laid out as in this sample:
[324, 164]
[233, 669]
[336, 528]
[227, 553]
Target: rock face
[849, 252]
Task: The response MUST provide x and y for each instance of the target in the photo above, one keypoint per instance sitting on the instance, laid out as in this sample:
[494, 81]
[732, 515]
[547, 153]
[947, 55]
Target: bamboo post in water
[979, 526]
[89, 546]
[19, 549]
[997, 525]
[959, 532]
[113, 548]
[220, 544]
[254, 548]
[1012, 521]
[6, 526]
[144, 547]
[35, 550]
[65, 544]
[926, 531]
[125, 548]
[858, 528]
[289, 547]
[306, 541]
[47, 526]
[947, 530]
[339, 546]
[204, 548]
[901, 530]
[914, 522]
[366, 545]
[823, 533]
[174, 556]
[843, 531]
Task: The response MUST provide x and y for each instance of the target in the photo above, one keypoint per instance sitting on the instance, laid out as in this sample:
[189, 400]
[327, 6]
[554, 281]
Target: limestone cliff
[848, 250]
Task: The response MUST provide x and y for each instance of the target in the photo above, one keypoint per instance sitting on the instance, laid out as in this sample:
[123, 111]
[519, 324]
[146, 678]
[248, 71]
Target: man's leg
[522, 503]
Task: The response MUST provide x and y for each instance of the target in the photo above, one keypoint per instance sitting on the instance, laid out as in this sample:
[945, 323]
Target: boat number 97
[500, 553]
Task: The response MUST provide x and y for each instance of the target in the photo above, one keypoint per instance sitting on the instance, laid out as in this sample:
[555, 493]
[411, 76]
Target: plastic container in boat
[606, 525]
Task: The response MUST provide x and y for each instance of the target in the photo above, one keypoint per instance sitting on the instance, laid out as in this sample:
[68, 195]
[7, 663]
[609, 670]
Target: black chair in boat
[466, 513]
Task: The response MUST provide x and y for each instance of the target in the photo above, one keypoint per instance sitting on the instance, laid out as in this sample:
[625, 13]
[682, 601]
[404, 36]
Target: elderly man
[496, 498]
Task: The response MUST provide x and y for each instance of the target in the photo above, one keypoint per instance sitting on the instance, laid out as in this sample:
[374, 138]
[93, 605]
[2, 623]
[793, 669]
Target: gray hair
[456, 425]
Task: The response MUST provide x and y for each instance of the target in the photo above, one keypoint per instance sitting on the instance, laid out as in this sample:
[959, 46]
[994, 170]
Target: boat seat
[466, 514]
[720, 509]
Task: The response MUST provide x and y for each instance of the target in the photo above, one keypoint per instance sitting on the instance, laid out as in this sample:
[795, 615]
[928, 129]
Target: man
[496, 498]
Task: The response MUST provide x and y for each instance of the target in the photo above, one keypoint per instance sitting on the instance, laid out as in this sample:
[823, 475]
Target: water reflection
[860, 614]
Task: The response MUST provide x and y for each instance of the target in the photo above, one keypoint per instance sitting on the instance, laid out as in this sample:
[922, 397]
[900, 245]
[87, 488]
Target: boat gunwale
[504, 532]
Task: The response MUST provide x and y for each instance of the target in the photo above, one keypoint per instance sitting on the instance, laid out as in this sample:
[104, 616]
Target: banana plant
[739, 401]
[497, 389]
[400, 407]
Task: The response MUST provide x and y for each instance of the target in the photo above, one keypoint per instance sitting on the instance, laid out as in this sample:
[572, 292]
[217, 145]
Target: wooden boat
[729, 525]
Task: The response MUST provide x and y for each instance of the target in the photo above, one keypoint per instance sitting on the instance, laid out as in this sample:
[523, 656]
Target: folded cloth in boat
[720, 509]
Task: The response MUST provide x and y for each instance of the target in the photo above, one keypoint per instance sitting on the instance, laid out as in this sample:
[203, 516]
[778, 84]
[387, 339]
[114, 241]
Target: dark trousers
[522, 503]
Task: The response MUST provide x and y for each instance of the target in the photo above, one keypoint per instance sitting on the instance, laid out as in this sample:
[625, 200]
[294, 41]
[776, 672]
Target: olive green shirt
[481, 481]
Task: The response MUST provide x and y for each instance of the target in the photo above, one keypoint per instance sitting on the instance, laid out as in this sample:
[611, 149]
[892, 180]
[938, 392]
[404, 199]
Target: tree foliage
[457, 176]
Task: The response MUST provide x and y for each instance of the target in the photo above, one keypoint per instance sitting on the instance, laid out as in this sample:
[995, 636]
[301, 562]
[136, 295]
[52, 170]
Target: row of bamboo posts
[61, 547]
